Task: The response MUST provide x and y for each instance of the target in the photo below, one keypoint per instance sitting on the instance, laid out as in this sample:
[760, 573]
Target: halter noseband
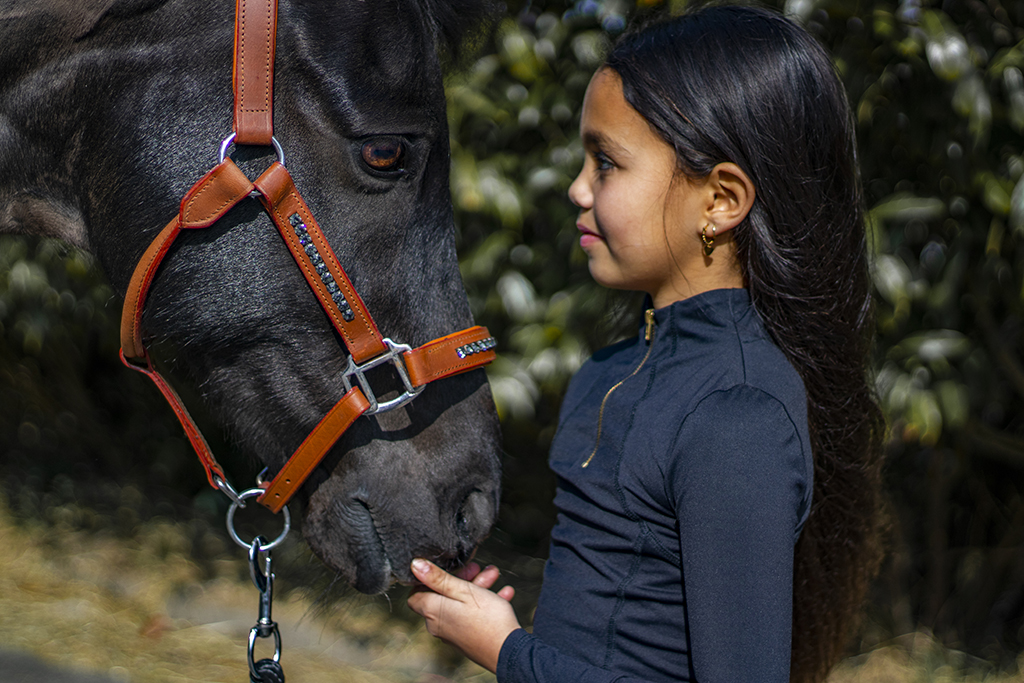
[219, 191]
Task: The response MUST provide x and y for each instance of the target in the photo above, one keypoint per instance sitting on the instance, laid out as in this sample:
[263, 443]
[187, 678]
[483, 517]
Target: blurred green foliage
[939, 99]
[75, 424]
[938, 93]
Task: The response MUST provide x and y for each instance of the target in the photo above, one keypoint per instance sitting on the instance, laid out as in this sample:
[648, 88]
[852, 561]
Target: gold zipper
[648, 336]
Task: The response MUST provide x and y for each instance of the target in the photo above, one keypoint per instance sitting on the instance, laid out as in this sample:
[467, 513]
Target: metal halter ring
[231, 522]
[229, 140]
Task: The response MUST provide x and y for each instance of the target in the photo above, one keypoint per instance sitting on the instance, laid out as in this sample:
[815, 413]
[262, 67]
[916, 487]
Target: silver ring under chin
[231, 522]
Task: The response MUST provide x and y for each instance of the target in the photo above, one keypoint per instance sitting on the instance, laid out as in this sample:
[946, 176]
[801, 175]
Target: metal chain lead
[262, 574]
[265, 670]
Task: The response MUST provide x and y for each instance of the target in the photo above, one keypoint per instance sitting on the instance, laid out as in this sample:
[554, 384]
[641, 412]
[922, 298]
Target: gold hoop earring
[709, 243]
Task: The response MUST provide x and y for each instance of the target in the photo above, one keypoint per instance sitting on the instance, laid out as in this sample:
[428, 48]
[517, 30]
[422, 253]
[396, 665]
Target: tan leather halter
[224, 187]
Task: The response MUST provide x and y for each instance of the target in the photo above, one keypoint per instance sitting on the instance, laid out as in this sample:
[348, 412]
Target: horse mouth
[369, 553]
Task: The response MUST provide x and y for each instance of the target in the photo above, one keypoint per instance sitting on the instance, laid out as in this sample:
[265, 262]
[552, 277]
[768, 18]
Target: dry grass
[140, 610]
[918, 658]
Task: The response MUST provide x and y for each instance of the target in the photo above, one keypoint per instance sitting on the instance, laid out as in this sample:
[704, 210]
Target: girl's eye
[603, 162]
[384, 155]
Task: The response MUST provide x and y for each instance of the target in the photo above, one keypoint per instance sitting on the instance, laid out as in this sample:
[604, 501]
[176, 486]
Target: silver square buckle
[394, 356]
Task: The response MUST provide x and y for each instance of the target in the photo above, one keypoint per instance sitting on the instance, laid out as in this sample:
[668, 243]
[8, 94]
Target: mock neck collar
[714, 308]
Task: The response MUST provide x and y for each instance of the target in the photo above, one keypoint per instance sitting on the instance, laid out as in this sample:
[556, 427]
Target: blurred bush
[939, 100]
[938, 93]
[76, 426]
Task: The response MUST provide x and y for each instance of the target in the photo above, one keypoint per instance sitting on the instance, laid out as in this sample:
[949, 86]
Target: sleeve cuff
[510, 649]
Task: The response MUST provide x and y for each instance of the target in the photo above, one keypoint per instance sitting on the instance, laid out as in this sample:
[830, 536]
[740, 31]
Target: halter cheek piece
[224, 187]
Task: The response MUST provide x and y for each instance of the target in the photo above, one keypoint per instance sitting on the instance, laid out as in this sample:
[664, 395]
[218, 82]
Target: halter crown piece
[218, 192]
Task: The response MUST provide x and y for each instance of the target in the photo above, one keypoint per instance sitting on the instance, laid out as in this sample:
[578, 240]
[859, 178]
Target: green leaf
[932, 345]
[905, 207]
[1016, 212]
[996, 194]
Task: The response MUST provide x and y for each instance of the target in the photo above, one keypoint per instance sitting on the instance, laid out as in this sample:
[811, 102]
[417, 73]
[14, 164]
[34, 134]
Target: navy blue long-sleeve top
[672, 555]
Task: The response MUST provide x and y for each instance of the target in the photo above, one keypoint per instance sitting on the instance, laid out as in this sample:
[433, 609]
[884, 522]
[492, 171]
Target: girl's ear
[731, 194]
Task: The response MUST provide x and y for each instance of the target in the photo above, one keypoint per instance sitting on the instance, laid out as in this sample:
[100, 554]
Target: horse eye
[383, 154]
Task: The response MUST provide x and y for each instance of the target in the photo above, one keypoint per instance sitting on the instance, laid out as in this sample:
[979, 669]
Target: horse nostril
[475, 516]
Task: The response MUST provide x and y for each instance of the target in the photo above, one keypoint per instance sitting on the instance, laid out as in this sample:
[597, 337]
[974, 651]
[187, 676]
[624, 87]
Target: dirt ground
[79, 607]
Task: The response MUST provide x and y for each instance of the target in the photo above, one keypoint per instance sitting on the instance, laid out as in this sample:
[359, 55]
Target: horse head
[111, 109]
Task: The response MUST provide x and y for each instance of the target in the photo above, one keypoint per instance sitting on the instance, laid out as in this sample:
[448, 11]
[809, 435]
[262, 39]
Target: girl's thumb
[437, 579]
[422, 570]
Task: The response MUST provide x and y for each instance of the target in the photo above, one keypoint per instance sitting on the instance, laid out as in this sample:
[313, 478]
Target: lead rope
[265, 670]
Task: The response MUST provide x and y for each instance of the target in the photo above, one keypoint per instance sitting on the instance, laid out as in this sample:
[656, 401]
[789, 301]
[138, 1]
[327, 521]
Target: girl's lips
[588, 237]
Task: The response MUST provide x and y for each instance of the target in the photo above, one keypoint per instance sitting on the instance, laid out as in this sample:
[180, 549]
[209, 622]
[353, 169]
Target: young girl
[720, 178]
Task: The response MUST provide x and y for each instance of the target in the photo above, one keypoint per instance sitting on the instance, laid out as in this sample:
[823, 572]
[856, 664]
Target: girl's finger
[508, 592]
[418, 602]
[487, 577]
[436, 579]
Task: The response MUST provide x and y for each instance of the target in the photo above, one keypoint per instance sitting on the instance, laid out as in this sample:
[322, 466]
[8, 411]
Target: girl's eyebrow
[594, 139]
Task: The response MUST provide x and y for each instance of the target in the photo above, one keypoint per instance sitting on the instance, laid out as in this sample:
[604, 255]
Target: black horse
[111, 109]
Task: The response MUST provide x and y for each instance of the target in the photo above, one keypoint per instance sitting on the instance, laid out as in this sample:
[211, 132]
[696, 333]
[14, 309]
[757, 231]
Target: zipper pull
[649, 319]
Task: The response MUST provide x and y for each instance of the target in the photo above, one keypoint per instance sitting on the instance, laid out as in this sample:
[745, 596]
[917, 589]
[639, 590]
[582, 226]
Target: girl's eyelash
[603, 162]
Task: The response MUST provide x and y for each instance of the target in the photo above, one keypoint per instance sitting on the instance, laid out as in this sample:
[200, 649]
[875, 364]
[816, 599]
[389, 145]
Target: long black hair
[748, 86]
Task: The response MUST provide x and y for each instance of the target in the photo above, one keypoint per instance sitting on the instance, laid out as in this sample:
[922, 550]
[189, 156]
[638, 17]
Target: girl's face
[640, 221]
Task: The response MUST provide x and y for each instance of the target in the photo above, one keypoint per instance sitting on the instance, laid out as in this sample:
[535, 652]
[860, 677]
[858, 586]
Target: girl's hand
[463, 611]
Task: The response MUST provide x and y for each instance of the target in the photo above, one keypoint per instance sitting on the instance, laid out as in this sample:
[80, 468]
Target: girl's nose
[580, 192]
